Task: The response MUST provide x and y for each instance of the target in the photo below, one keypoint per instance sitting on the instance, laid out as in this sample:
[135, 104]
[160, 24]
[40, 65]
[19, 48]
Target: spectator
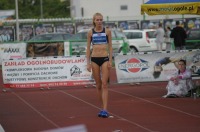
[168, 39]
[160, 33]
[180, 83]
[179, 35]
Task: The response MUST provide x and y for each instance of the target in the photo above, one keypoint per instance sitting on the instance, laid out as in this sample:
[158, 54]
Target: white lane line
[34, 109]
[1, 129]
[74, 128]
[145, 100]
[131, 122]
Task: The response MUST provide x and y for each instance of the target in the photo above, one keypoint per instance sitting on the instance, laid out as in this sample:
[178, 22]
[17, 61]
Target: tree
[30, 9]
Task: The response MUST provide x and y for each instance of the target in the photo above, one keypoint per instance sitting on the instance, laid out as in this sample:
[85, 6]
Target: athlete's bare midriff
[100, 50]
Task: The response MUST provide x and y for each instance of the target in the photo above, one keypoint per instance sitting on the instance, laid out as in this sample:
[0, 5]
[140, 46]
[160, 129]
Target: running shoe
[100, 113]
[104, 114]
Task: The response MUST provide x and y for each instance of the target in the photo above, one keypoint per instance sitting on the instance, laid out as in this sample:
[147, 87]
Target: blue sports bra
[99, 37]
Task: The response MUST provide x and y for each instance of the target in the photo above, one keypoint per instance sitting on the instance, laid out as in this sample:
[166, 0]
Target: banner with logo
[45, 72]
[154, 66]
[170, 7]
[12, 51]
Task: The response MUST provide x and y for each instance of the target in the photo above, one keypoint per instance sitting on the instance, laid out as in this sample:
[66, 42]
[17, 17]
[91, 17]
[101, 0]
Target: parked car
[120, 43]
[193, 39]
[51, 37]
[142, 40]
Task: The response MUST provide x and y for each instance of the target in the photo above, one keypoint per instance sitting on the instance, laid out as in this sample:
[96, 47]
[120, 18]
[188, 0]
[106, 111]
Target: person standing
[160, 33]
[179, 35]
[100, 60]
[168, 39]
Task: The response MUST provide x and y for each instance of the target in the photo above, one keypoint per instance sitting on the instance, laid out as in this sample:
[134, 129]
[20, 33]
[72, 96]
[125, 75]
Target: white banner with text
[45, 72]
[12, 51]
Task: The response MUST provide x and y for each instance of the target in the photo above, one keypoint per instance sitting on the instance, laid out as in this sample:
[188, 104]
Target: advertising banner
[192, 23]
[7, 34]
[65, 28]
[154, 66]
[149, 24]
[44, 28]
[45, 72]
[26, 32]
[12, 51]
[170, 8]
[123, 25]
[133, 25]
[45, 49]
[172, 23]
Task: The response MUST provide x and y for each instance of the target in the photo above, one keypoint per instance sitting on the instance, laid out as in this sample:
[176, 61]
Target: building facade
[109, 8]
[114, 10]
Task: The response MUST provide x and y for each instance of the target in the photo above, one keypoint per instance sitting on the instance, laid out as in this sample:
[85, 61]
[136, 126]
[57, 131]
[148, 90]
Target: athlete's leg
[105, 75]
[97, 77]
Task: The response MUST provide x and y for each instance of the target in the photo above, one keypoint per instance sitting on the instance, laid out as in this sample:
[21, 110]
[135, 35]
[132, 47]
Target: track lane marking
[122, 118]
[145, 100]
[34, 109]
[1, 129]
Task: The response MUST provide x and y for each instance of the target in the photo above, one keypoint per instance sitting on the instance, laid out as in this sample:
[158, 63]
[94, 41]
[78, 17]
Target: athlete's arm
[88, 54]
[110, 50]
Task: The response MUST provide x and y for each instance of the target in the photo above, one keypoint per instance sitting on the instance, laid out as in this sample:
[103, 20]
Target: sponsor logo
[133, 65]
[105, 59]
[75, 71]
[11, 50]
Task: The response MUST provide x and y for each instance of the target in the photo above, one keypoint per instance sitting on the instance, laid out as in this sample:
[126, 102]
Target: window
[119, 34]
[151, 34]
[56, 37]
[124, 7]
[133, 35]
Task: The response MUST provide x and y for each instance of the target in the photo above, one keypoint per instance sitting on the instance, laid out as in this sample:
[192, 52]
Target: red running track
[138, 108]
